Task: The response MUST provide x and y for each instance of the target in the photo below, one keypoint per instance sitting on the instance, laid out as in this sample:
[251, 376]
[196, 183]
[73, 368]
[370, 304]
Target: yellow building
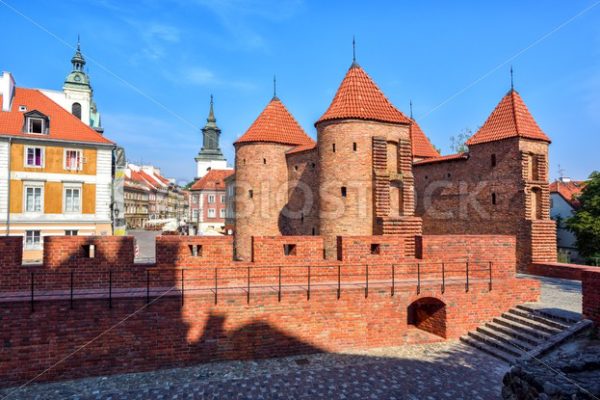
[55, 171]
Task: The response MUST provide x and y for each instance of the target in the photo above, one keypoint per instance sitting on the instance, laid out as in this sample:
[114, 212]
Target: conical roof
[275, 124]
[359, 97]
[421, 146]
[510, 118]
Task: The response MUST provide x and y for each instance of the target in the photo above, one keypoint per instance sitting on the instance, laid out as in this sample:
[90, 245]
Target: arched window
[76, 110]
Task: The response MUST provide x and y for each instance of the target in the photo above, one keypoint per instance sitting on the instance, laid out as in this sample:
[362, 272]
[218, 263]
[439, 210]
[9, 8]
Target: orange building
[55, 171]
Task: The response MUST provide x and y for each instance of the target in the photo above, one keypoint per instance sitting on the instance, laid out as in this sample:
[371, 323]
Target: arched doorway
[428, 314]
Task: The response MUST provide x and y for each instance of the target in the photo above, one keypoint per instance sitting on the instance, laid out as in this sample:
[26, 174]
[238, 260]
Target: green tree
[585, 223]
[457, 143]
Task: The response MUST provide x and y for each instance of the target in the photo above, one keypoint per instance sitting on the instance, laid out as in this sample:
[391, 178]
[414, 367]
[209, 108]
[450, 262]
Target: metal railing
[151, 283]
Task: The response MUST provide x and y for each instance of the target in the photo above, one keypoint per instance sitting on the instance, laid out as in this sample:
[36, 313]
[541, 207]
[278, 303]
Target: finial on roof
[78, 43]
[411, 113]
[211, 113]
[512, 83]
[354, 64]
[275, 87]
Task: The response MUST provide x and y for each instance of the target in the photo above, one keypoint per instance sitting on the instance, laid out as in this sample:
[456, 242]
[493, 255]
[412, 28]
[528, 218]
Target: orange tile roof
[214, 179]
[450, 157]
[275, 124]
[421, 146]
[359, 97]
[510, 118]
[63, 125]
[568, 190]
[302, 147]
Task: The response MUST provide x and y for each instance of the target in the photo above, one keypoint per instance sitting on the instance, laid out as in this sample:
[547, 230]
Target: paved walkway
[447, 370]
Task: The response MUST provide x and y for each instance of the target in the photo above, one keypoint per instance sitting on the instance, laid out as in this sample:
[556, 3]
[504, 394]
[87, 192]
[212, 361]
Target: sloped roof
[421, 146]
[63, 125]
[359, 97]
[277, 125]
[449, 157]
[303, 147]
[510, 118]
[214, 179]
[568, 190]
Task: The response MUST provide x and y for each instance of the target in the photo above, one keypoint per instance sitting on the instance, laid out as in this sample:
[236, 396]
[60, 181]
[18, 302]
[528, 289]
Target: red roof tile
[510, 118]
[421, 146]
[450, 157]
[275, 124]
[302, 147]
[568, 190]
[359, 97]
[214, 179]
[63, 125]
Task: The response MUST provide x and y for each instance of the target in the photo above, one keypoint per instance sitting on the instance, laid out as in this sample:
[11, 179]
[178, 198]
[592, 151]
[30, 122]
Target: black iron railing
[151, 283]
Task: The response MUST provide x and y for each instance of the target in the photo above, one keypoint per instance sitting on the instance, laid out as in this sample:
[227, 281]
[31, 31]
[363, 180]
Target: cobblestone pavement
[447, 370]
[560, 294]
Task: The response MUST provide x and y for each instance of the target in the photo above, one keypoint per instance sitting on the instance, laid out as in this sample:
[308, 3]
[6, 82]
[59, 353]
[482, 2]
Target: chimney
[7, 90]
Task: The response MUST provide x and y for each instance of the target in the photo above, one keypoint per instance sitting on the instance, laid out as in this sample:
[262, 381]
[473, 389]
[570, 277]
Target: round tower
[261, 177]
[362, 142]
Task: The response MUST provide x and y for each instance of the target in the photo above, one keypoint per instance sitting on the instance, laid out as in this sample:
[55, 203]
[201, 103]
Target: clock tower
[210, 155]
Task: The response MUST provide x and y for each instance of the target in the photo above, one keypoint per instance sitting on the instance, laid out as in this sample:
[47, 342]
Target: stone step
[509, 339]
[531, 323]
[538, 318]
[548, 314]
[498, 344]
[493, 351]
[535, 341]
[521, 328]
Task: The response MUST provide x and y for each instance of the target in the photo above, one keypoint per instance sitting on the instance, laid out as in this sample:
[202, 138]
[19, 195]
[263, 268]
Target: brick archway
[428, 314]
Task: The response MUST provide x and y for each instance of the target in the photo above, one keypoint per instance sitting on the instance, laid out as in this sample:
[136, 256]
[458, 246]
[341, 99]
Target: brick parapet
[287, 249]
[88, 252]
[192, 251]
[590, 286]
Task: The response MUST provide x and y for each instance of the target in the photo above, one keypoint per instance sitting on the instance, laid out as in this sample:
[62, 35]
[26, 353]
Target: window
[344, 191]
[289, 249]
[354, 146]
[375, 248]
[33, 239]
[71, 232]
[211, 213]
[333, 147]
[222, 213]
[493, 160]
[194, 199]
[76, 110]
[195, 215]
[494, 198]
[33, 198]
[36, 125]
[73, 160]
[195, 250]
[264, 160]
[250, 193]
[72, 199]
[223, 199]
[211, 198]
[34, 157]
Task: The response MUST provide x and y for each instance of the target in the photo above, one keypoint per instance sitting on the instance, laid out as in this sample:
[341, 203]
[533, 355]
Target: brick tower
[365, 164]
[511, 134]
[261, 176]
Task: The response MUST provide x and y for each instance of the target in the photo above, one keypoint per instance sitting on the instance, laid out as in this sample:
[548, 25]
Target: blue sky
[154, 64]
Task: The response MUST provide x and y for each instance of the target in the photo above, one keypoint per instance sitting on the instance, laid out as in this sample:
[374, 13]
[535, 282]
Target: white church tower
[77, 95]
[210, 155]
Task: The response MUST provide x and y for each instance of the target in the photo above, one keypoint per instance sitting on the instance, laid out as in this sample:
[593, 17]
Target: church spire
[78, 61]
[210, 155]
[211, 112]
[354, 63]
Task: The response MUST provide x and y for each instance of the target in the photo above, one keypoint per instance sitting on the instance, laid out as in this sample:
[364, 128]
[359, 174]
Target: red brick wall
[11, 252]
[175, 252]
[455, 197]
[302, 208]
[270, 250]
[62, 252]
[467, 247]
[558, 270]
[165, 334]
[591, 294]
[358, 249]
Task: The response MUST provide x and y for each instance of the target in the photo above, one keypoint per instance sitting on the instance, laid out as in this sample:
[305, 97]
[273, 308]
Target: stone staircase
[518, 331]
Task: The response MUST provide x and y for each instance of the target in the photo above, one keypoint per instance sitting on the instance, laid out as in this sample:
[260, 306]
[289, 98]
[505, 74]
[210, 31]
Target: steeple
[354, 63]
[210, 155]
[78, 77]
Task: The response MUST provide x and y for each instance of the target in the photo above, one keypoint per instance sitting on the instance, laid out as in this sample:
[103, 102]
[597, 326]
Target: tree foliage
[457, 143]
[585, 223]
